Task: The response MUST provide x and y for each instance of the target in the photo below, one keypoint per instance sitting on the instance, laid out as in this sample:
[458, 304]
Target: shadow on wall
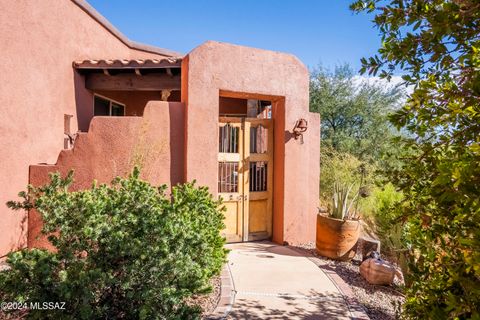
[113, 146]
[83, 99]
[177, 136]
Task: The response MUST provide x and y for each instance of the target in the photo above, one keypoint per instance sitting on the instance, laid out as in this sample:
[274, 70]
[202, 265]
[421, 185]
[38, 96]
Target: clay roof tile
[170, 62]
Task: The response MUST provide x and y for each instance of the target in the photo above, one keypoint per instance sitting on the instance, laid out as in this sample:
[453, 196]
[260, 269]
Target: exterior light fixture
[300, 127]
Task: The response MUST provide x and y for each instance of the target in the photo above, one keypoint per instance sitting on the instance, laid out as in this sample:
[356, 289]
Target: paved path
[276, 282]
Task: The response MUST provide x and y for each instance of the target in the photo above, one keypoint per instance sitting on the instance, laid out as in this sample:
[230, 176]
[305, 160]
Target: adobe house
[77, 94]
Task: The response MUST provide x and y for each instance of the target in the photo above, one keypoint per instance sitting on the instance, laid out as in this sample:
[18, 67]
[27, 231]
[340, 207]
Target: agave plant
[341, 204]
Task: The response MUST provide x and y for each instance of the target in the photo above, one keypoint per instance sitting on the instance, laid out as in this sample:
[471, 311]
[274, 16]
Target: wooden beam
[132, 82]
[242, 95]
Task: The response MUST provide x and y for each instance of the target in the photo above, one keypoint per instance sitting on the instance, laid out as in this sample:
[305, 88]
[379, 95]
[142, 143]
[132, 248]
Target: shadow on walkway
[320, 306]
[277, 282]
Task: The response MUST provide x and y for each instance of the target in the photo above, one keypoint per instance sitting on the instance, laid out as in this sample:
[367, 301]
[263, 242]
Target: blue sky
[314, 30]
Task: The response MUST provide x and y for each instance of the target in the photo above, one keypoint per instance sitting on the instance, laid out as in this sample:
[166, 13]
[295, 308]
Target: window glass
[117, 110]
[101, 107]
[106, 107]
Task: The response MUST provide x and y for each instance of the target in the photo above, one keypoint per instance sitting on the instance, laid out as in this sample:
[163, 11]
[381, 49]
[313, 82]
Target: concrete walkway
[276, 282]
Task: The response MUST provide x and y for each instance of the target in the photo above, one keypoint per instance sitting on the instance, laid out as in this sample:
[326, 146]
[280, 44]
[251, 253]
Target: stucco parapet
[288, 58]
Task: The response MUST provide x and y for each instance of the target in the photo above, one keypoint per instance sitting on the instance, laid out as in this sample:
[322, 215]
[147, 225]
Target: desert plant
[381, 211]
[122, 251]
[342, 202]
[344, 169]
[337, 233]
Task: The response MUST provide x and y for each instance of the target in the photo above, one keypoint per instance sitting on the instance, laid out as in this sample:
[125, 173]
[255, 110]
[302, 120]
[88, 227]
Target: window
[106, 107]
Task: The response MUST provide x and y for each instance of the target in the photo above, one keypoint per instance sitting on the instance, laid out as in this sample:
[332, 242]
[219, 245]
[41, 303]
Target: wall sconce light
[300, 127]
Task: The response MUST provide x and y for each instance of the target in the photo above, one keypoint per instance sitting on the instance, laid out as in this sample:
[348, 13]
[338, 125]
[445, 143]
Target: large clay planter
[336, 238]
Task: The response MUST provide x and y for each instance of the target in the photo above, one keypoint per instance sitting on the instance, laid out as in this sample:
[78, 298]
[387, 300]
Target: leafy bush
[339, 168]
[381, 209]
[435, 46]
[122, 251]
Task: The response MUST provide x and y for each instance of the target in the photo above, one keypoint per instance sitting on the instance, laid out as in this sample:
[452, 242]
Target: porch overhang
[131, 74]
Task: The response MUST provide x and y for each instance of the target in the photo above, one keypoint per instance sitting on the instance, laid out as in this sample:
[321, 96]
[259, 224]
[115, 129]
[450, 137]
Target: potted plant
[338, 232]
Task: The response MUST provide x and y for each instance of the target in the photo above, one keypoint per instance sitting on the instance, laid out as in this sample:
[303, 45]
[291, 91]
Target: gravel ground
[208, 302]
[380, 302]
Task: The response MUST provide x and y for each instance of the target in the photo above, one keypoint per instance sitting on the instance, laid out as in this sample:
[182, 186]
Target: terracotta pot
[336, 238]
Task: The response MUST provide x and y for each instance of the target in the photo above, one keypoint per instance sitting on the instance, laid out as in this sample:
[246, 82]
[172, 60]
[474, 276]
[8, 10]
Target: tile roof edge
[163, 62]
[87, 8]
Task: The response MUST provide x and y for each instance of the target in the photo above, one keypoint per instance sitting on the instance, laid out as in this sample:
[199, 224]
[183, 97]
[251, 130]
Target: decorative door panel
[245, 168]
[260, 178]
[230, 176]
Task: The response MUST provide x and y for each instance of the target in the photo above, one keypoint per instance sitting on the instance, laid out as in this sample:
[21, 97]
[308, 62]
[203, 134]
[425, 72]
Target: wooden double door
[245, 177]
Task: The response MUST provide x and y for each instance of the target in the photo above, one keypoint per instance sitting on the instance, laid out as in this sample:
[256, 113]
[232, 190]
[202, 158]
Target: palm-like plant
[341, 204]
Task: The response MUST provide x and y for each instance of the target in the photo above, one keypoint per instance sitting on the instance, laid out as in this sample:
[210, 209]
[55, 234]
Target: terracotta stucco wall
[113, 146]
[214, 67]
[39, 42]
[134, 101]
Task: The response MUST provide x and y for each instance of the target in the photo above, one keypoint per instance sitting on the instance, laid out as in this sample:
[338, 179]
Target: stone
[377, 271]
[365, 245]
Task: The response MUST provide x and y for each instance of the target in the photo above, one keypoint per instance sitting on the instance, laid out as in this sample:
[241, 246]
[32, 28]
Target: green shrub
[123, 251]
[343, 169]
[435, 46]
[381, 210]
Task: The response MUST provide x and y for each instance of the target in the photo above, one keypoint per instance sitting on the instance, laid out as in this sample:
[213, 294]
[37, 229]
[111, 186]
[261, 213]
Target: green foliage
[342, 168]
[122, 251]
[436, 46]
[381, 208]
[354, 113]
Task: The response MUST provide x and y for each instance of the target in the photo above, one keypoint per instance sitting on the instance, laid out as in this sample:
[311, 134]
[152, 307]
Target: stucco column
[215, 67]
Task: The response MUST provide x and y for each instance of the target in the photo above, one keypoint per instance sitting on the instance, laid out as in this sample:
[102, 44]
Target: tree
[436, 46]
[354, 113]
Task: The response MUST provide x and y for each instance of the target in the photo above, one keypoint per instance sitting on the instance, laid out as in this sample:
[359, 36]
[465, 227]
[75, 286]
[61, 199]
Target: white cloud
[394, 81]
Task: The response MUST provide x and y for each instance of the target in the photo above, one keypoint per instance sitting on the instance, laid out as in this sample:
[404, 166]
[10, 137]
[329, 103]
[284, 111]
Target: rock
[399, 280]
[365, 246]
[373, 255]
[377, 271]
